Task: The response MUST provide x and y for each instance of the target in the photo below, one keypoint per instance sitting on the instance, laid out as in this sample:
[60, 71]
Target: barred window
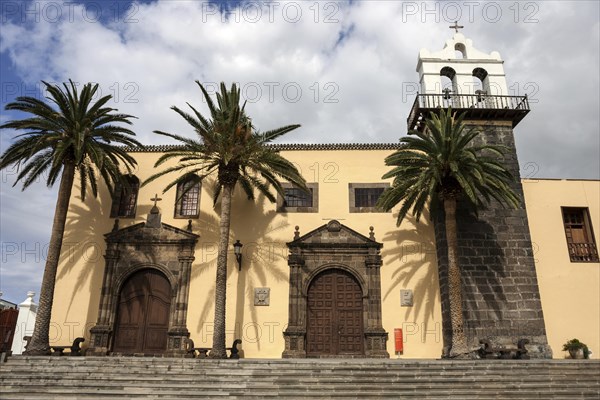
[125, 199]
[579, 233]
[363, 197]
[297, 200]
[367, 197]
[295, 197]
[188, 198]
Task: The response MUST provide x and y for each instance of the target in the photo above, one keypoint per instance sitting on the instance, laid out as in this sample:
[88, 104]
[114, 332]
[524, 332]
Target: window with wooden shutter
[579, 233]
[125, 200]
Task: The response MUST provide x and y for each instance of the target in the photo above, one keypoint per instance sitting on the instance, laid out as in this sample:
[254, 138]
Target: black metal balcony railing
[476, 106]
[583, 252]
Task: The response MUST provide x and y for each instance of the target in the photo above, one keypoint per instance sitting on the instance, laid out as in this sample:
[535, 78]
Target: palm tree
[442, 165]
[228, 145]
[78, 136]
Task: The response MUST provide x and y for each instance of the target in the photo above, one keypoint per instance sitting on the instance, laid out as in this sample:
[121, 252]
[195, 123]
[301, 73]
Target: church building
[328, 274]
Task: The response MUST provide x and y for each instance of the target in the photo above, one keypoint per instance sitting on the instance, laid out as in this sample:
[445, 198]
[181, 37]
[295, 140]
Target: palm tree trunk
[459, 342]
[218, 348]
[40, 340]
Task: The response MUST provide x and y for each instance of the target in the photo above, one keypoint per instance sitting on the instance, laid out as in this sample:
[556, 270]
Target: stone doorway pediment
[143, 233]
[334, 234]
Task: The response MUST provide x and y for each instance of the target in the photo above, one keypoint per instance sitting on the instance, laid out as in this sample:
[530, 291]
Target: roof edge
[284, 147]
[533, 180]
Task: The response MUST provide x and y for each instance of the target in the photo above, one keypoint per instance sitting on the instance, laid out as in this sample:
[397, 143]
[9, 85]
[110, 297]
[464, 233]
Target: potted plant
[574, 347]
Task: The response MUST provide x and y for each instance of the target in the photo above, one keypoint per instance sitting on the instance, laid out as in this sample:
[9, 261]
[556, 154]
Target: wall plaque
[406, 298]
[262, 296]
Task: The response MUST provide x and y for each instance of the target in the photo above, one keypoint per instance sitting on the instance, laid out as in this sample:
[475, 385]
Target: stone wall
[501, 299]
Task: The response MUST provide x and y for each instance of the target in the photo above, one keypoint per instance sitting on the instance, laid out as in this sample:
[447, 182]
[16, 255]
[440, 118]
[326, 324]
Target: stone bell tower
[501, 299]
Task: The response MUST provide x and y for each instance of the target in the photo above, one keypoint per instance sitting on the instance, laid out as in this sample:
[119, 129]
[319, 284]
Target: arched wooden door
[334, 315]
[143, 314]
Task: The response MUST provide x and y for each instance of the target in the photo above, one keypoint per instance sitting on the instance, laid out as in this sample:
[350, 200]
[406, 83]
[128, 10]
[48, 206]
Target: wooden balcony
[475, 106]
[583, 252]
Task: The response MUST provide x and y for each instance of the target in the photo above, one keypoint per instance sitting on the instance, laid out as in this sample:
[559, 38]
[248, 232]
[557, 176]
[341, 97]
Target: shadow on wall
[482, 264]
[412, 254]
[207, 226]
[481, 261]
[262, 251]
[91, 223]
[262, 254]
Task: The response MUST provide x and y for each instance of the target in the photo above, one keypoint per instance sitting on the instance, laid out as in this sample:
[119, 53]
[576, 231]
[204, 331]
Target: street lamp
[237, 249]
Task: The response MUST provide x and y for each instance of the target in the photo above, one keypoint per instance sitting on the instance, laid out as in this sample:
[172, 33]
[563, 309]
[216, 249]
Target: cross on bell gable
[456, 26]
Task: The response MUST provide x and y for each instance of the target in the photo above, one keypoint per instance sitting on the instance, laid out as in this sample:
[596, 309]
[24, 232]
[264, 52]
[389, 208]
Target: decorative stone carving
[262, 296]
[152, 245]
[334, 226]
[334, 246]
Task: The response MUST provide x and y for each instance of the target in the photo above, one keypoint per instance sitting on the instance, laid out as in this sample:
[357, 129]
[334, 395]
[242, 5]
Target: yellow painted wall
[570, 291]
[408, 253]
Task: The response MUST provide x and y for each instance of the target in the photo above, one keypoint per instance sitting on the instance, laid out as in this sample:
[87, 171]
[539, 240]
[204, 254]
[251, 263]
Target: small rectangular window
[297, 200]
[579, 233]
[363, 197]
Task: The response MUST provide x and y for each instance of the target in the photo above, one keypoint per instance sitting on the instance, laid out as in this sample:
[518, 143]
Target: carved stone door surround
[335, 246]
[150, 245]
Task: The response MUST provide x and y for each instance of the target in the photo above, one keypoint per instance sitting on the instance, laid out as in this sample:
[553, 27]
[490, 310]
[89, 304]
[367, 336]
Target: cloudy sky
[344, 70]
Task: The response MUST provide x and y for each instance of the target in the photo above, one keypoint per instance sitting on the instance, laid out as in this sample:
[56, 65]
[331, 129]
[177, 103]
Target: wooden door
[8, 324]
[143, 314]
[335, 315]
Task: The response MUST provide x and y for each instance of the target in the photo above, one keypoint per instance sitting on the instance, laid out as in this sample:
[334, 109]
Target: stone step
[291, 374]
[82, 365]
[225, 376]
[321, 365]
[66, 379]
[309, 393]
[320, 388]
[162, 378]
[283, 376]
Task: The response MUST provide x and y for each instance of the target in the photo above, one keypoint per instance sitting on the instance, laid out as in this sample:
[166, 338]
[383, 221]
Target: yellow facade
[408, 252]
[570, 292]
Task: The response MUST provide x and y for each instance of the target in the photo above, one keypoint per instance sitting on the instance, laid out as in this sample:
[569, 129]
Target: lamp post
[237, 249]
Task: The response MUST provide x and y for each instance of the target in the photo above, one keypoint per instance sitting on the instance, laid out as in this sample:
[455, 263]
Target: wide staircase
[169, 378]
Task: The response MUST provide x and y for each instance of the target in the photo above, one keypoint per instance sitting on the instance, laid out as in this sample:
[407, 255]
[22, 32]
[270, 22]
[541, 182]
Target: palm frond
[69, 127]
[230, 147]
[443, 160]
